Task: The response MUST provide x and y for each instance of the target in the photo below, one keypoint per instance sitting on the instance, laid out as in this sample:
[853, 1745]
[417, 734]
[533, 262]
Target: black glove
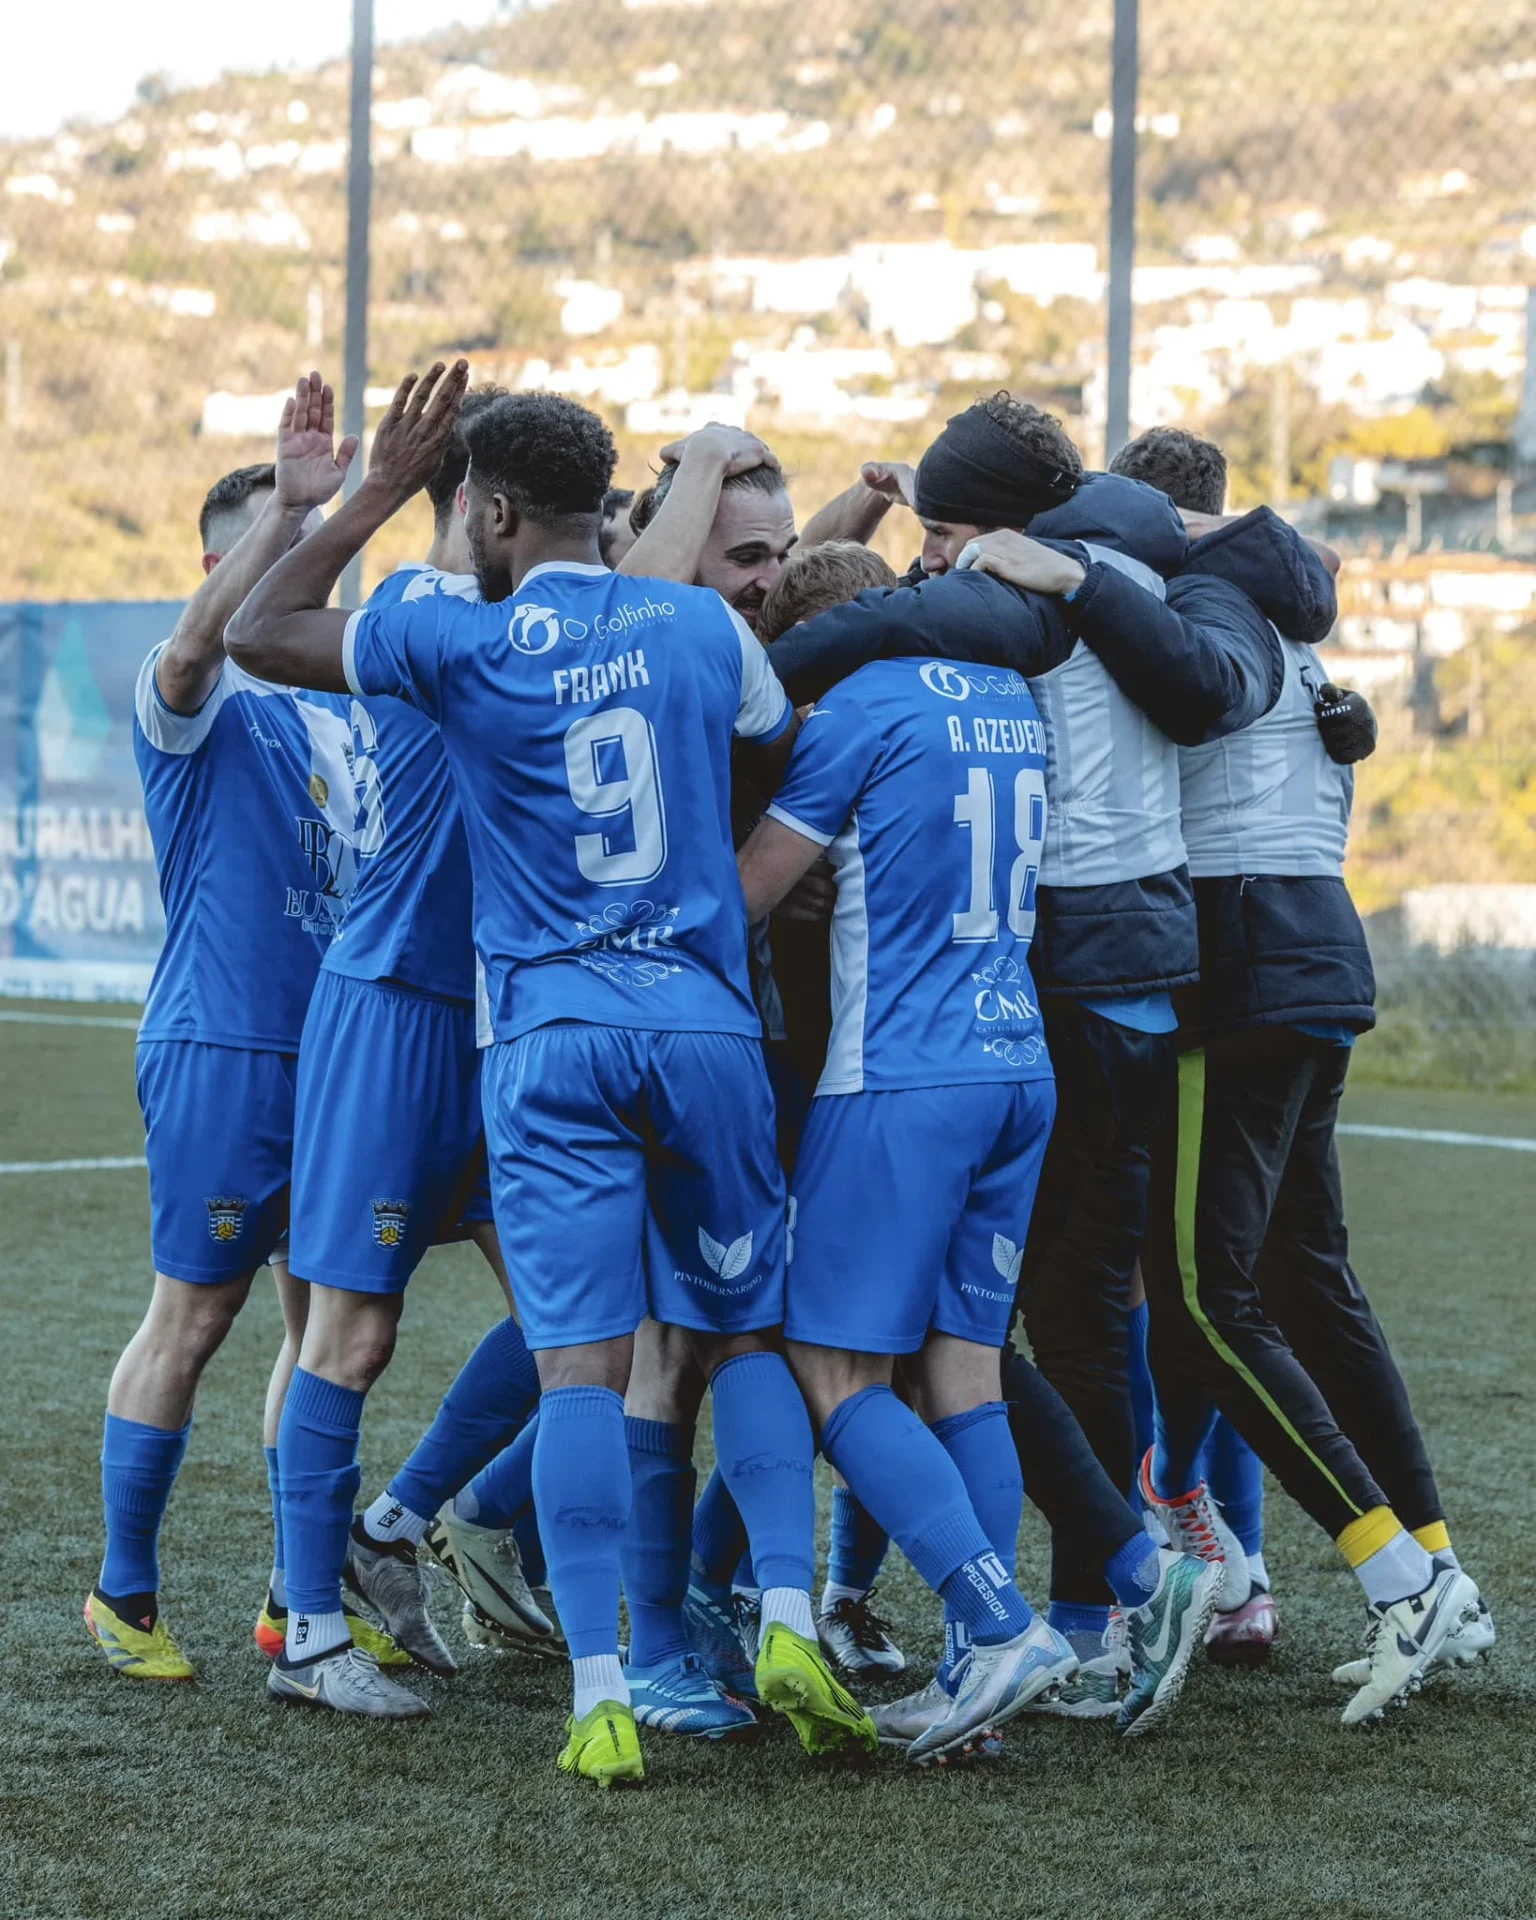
[1347, 724]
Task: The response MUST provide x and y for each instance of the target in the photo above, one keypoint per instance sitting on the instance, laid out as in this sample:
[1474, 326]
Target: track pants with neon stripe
[1254, 1307]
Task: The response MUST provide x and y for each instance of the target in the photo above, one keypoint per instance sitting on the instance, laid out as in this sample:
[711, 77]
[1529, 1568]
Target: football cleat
[1470, 1640]
[1194, 1525]
[346, 1680]
[1406, 1641]
[1244, 1636]
[1162, 1637]
[484, 1563]
[748, 1605]
[678, 1696]
[713, 1637]
[271, 1632]
[604, 1746]
[857, 1640]
[902, 1721]
[388, 1576]
[140, 1650]
[794, 1679]
[1093, 1692]
[994, 1684]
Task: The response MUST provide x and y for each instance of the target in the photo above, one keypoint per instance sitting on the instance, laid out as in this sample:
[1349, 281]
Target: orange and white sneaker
[1194, 1525]
[141, 1649]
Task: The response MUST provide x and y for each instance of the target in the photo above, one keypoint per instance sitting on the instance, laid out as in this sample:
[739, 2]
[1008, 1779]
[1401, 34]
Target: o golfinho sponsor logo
[533, 630]
[943, 677]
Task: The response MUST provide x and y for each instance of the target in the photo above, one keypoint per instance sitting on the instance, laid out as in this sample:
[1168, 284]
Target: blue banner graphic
[80, 914]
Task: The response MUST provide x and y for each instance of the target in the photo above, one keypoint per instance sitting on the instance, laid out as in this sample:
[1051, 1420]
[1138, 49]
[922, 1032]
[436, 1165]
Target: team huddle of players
[625, 857]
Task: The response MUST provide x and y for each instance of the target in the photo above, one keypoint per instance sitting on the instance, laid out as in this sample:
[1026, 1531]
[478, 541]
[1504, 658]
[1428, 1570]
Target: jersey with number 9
[925, 782]
[588, 722]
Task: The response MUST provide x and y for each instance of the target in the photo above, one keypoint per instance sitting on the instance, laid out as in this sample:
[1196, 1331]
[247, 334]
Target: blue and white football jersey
[257, 805]
[925, 782]
[409, 920]
[588, 723]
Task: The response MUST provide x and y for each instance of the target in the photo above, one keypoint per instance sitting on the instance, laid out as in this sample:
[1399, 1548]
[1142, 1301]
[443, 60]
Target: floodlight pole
[1122, 224]
[359, 198]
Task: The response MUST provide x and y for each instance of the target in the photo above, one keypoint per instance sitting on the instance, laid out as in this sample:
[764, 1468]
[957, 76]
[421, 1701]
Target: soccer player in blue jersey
[589, 725]
[251, 792]
[925, 786]
[387, 1134]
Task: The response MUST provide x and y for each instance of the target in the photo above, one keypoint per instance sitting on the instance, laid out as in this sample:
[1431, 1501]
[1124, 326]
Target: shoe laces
[1195, 1522]
[870, 1633]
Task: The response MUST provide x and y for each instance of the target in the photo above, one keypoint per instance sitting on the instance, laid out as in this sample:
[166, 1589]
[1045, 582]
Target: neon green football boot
[794, 1679]
[604, 1745]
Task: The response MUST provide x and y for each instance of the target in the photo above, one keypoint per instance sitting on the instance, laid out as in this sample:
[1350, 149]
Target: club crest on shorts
[389, 1218]
[226, 1216]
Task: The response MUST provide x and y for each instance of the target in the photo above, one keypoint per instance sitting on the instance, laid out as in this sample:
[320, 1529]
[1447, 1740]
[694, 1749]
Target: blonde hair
[815, 578]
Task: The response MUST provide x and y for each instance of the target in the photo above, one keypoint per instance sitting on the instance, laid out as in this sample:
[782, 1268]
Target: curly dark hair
[1191, 471]
[551, 458]
[445, 483]
[1035, 430]
[227, 496]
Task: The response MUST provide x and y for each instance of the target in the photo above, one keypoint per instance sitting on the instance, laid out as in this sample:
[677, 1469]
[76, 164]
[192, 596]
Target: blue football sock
[719, 1539]
[981, 1446]
[744, 1578]
[139, 1465]
[501, 1493]
[317, 1465]
[659, 1538]
[1143, 1402]
[766, 1453]
[1235, 1475]
[581, 1488]
[858, 1545]
[1133, 1571]
[1084, 1627]
[480, 1414]
[279, 1580]
[903, 1475]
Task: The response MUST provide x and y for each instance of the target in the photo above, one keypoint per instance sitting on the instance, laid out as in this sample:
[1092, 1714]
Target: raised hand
[732, 449]
[894, 478]
[410, 441]
[310, 467]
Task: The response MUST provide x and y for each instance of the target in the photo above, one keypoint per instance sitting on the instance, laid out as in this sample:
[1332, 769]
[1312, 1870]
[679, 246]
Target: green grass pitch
[206, 1802]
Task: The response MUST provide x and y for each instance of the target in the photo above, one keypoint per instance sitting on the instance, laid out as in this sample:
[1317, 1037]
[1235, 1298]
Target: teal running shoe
[1163, 1635]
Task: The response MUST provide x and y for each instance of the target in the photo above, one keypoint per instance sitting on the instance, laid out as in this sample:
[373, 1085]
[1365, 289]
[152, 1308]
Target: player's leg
[293, 1303]
[719, 1546]
[219, 1131]
[386, 1118]
[715, 1265]
[1241, 1635]
[1113, 1083]
[568, 1177]
[1307, 1282]
[1231, 1134]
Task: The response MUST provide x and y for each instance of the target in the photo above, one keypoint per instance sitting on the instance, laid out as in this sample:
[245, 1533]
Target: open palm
[310, 466]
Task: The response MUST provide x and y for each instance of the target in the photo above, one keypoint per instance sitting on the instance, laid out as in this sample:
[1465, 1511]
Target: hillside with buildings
[837, 228]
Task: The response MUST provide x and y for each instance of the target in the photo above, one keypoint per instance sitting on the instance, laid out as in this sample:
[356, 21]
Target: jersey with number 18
[588, 723]
[925, 782]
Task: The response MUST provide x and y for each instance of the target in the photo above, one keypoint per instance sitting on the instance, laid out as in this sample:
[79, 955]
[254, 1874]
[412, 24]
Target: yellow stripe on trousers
[1185, 1196]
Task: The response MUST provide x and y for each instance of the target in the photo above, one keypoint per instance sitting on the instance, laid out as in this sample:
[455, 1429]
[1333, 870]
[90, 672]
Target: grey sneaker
[386, 1574]
[346, 1681]
[484, 1563]
[996, 1683]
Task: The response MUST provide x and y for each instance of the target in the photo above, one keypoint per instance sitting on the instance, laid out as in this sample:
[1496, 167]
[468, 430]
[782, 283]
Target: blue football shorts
[635, 1173]
[219, 1124]
[909, 1214]
[386, 1131]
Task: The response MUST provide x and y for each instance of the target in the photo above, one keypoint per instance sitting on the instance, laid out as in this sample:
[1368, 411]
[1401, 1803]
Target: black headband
[978, 475]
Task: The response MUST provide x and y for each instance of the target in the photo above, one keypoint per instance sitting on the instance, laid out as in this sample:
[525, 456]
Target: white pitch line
[72, 1166]
[1437, 1138]
[68, 1020]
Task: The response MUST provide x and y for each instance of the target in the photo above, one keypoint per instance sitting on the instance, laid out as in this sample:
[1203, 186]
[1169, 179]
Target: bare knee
[666, 1382]
[598, 1363]
[349, 1338]
[828, 1376]
[189, 1322]
[951, 1376]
